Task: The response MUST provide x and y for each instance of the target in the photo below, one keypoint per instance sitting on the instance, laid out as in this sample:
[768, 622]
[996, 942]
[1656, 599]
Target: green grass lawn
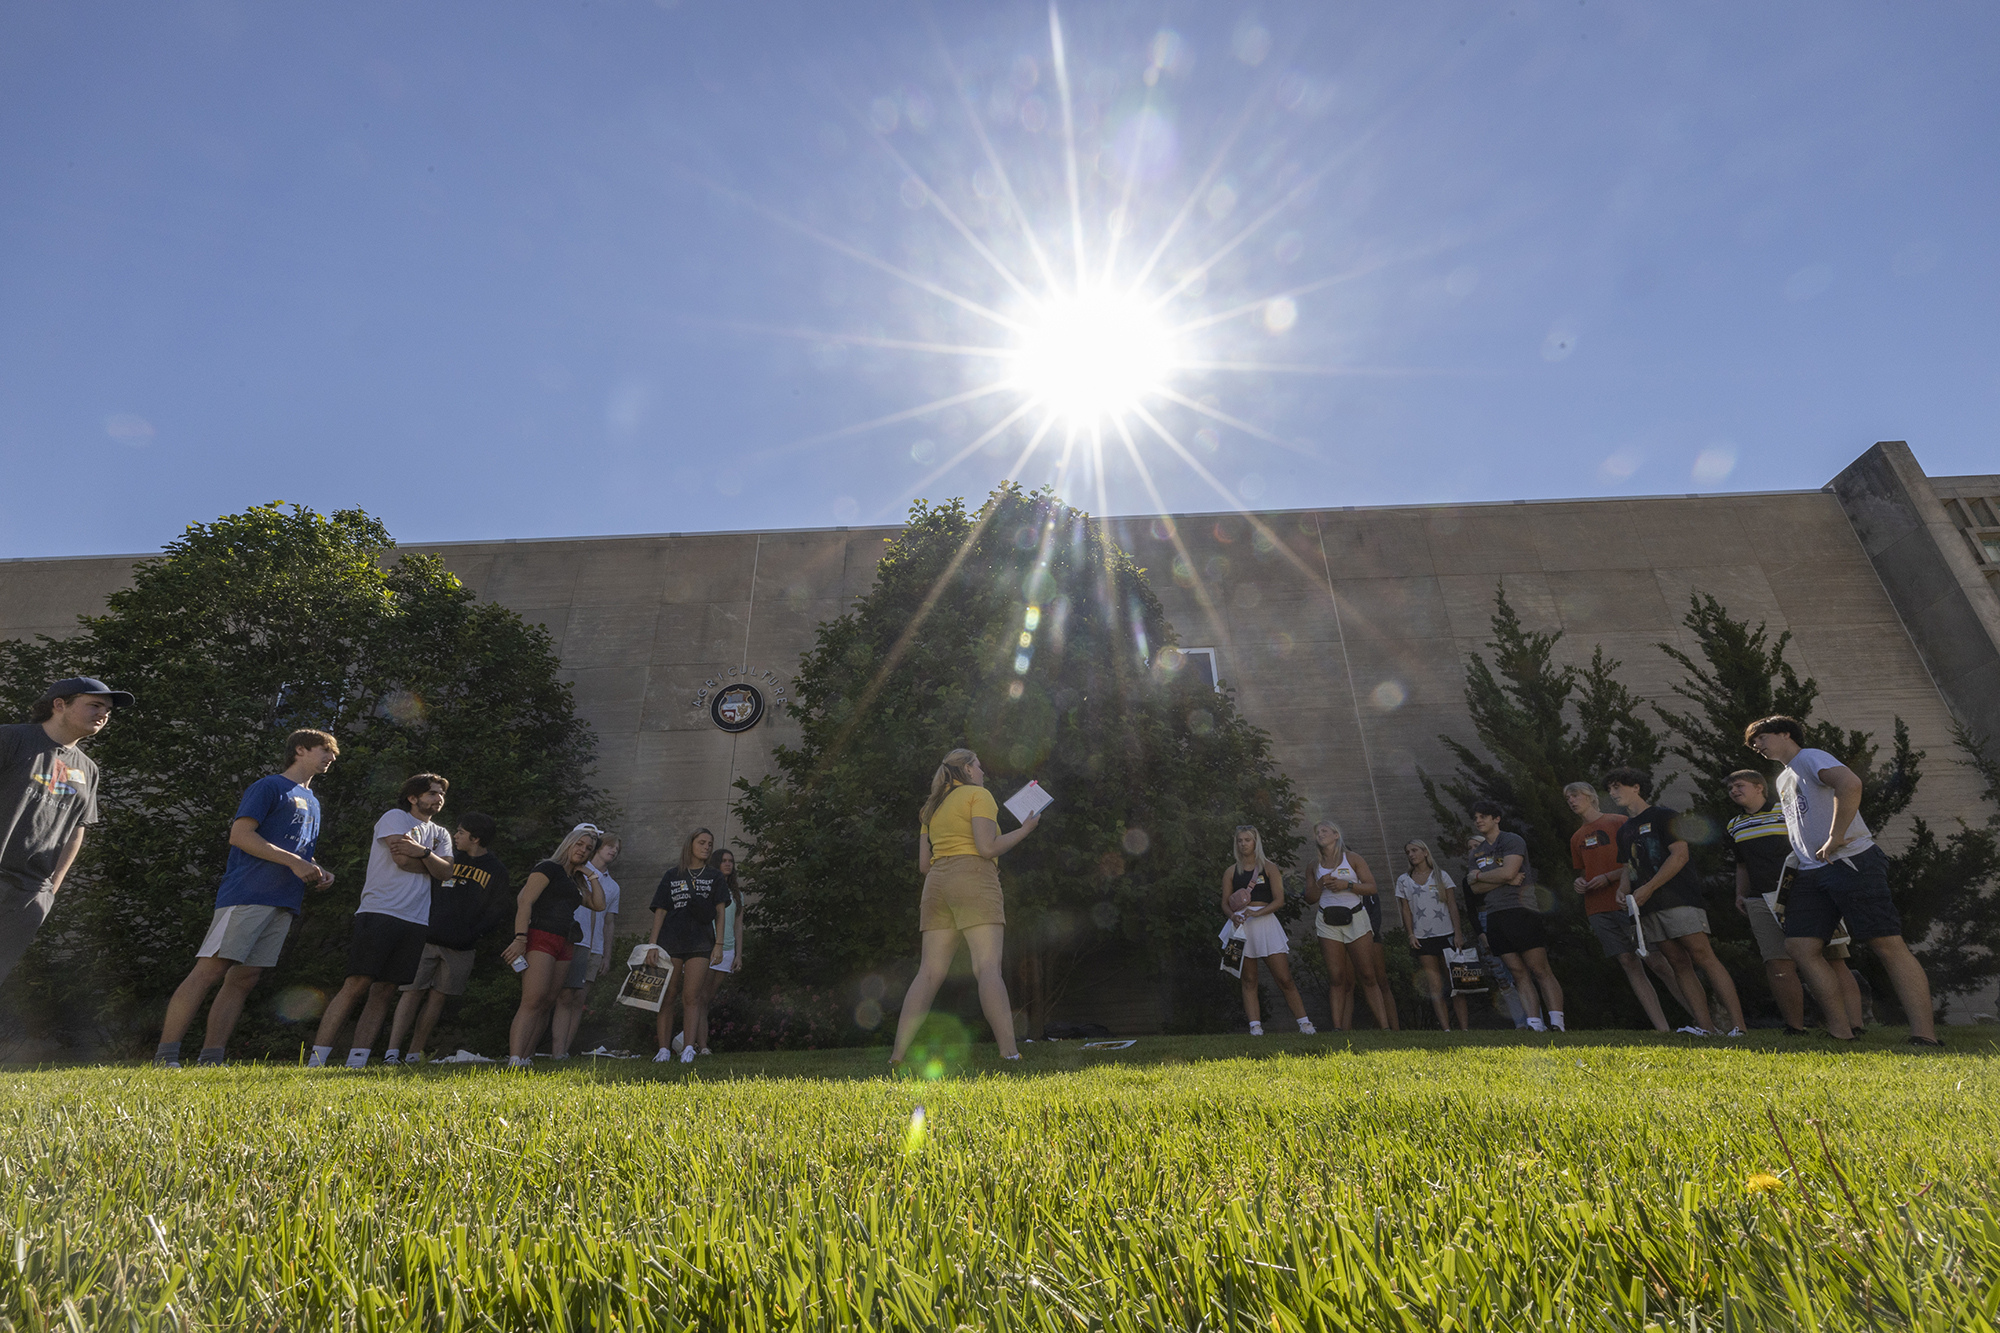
[1378, 1182]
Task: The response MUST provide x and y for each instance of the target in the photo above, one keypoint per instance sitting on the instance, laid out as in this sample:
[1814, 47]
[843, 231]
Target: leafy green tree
[1021, 632]
[1541, 725]
[241, 631]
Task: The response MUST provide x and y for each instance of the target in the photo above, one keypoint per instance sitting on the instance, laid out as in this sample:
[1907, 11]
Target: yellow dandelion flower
[1762, 1182]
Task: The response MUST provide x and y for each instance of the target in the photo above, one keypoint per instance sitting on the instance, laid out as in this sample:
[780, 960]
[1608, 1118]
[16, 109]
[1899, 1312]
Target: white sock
[357, 1057]
[1536, 1025]
[318, 1056]
[1556, 1020]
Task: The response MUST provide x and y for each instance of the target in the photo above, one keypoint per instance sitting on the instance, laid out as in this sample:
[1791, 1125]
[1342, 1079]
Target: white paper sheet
[1030, 800]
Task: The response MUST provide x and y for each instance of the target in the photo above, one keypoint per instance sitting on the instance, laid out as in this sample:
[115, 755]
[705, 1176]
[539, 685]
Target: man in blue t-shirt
[271, 843]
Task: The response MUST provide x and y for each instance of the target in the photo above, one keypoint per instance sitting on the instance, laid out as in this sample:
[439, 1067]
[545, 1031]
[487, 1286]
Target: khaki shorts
[1767, 929]
[443, 970]
[1671, 923]
[247, 933]
[961, 891]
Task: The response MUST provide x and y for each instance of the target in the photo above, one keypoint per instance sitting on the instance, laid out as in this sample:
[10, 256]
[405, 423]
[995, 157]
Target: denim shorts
[1856, 888]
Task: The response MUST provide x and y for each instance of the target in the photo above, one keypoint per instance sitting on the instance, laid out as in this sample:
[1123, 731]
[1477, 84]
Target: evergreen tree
[1021, 632]
[1541, 726]
[1544, 725]
[1742, 676]
[241, 631]
[1948, 890]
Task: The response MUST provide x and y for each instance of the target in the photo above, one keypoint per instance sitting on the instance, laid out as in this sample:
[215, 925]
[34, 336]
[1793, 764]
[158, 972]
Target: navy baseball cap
[62, 689]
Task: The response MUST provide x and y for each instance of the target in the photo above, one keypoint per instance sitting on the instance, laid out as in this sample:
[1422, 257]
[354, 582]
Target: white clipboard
[1632, 905]
[1029, 801]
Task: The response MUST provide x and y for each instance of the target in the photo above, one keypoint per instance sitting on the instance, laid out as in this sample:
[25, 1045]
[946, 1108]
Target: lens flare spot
[128, 429]
[298, 1004]
[402, 706]
[1201, 722]
[1136, 842]
[1388, 696]
[868, 1015]
[1714, 463]
[1280, 313]
[913, 1137]
[1104, 915]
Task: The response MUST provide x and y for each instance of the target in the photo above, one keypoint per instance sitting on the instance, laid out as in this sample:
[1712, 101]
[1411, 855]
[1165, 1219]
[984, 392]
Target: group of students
[1808, 877]
[429, 896]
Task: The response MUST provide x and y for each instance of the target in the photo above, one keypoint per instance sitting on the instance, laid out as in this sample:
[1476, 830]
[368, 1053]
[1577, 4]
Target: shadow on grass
[956, 1059]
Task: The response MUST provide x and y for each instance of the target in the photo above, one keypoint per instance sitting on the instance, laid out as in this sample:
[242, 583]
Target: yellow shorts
[961, 891]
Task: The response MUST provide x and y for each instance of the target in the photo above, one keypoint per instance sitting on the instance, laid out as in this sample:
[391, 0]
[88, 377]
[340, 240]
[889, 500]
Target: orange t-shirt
[1593, 850]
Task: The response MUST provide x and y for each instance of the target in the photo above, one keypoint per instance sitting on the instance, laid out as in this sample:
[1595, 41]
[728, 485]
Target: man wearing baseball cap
[48, 796]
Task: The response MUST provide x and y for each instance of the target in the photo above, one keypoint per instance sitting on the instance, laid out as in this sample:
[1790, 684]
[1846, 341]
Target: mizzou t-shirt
[47, 792]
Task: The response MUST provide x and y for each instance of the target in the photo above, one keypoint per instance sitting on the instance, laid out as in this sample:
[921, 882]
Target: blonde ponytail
[951, 773]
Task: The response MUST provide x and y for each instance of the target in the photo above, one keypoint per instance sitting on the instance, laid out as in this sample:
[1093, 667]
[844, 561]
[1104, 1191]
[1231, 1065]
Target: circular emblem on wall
[737, 707]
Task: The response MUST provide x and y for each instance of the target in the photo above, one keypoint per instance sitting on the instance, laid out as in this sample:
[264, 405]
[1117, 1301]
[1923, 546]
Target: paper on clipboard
[1632, 906]
[1030, 800]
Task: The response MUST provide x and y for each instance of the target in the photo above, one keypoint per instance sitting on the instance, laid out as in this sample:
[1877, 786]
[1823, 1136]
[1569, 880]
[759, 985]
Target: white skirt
[1263, 936]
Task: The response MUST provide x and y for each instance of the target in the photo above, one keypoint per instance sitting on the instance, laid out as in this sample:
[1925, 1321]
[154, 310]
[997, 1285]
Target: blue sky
[543, 270]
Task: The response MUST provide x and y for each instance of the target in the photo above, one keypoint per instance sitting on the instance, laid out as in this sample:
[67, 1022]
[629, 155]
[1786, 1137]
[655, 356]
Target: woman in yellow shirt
[959, 843]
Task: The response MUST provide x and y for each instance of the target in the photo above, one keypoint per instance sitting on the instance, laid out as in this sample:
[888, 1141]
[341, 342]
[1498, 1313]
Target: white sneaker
[687, 1055]
[664, 1057]
[392, 1058]
[1306, 1028]
[520, 1062]
[1256, 1029]
[1692, 1031]
[413, 1058]
[706, 1051]
[1738, 1032]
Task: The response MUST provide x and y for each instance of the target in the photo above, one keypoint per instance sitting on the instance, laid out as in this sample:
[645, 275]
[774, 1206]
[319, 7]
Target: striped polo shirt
[1761, 844]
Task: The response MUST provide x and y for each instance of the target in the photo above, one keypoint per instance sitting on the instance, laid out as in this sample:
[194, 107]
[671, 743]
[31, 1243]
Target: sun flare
[1091, 356]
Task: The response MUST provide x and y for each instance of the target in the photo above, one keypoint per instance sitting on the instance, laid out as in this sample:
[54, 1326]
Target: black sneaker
[1797, 1032]
[1927, 1043]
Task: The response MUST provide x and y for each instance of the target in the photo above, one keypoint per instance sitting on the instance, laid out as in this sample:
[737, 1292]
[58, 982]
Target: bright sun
[1093, 356]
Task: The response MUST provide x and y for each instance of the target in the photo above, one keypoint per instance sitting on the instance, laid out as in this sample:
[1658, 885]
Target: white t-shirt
[1340, 874]
[593, 922]
[1429, 917]
[1809, 805]
[391, 890]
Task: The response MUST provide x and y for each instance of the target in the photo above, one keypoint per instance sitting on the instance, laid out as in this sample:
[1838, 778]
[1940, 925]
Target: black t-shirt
[47, 791]
[471, 902]
[688, 897]
[1644, 842]
[555, 910]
